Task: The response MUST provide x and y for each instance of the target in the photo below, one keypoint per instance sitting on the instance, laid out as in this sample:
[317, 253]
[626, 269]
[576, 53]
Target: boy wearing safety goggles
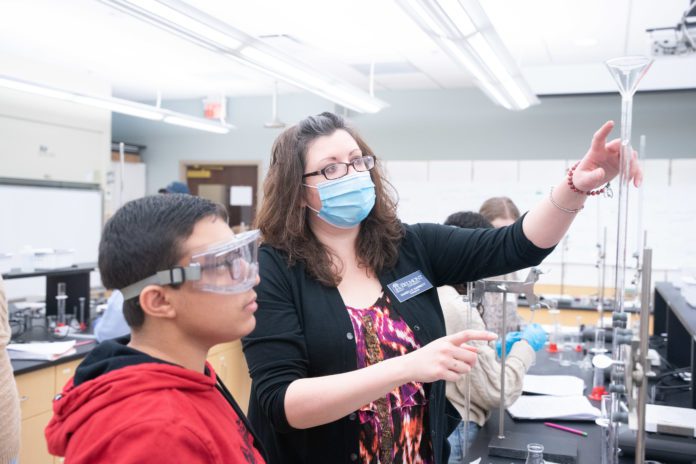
[152, 397]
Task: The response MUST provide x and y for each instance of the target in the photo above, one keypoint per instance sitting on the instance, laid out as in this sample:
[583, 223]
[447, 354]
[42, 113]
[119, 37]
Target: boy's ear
[155, 302]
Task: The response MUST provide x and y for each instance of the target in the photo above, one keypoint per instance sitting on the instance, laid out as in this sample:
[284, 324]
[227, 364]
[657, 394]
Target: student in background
[9, 401]
[175, 187]
[187, 284]
[501, 212]
[112, 324]
[350, 347]
[485, 375]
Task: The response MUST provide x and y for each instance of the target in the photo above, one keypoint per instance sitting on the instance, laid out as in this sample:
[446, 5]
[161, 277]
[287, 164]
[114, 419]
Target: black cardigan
[303, 330]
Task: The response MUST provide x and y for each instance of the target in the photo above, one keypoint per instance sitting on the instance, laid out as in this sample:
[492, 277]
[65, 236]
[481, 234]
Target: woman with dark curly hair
[349, 355]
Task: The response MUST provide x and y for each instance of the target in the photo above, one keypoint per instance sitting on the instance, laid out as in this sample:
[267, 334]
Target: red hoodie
[129, 408]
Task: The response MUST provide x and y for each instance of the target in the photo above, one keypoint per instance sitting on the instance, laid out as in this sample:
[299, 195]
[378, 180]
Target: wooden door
[215, 182]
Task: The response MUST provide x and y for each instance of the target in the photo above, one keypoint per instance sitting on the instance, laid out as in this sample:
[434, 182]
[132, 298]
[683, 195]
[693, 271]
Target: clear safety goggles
[227, 267]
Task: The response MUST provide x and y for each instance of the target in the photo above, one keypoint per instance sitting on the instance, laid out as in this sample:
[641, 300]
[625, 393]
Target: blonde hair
[499, 208]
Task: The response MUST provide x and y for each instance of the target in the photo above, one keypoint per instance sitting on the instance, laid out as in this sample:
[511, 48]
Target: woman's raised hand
[601, 162]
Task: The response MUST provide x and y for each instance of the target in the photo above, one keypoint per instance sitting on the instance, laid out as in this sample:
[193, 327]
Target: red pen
[565, 429]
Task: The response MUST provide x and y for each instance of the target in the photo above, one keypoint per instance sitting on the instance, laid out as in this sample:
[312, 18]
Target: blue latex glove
[535, 336]
[510, 339]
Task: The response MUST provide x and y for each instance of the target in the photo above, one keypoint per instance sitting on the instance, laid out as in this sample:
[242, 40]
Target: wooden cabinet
[36, 391]
[228, 361]
[33, 446]
[239, 382]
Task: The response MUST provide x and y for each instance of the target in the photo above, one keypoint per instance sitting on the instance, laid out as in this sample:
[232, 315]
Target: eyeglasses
[338, 170]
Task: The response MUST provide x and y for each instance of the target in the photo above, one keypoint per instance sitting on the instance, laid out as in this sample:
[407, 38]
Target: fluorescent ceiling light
[122, 106]
[426, 18]
[190, 24]
[482, 55]
[23, 86]
[194, 25]
[197, 123]
[117, 105]
[468, 63]
[456, 13]
[497, 96]
[516, 93]
[489, 57]
[282, 68]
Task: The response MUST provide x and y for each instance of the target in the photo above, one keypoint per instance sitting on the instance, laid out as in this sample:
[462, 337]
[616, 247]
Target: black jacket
[303, 330]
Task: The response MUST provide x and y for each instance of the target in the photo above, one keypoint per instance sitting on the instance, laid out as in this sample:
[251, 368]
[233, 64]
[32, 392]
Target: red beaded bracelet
[571, 171]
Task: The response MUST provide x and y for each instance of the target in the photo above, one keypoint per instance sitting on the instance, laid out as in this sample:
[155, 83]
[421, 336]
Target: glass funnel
[627, 72]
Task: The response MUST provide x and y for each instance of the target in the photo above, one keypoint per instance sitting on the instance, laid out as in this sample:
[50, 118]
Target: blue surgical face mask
[345, 202]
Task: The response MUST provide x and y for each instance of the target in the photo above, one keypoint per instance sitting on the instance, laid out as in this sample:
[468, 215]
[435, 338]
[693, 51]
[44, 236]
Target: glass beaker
[535, 454]
[567, 353]
[609, 454]
[599, 341]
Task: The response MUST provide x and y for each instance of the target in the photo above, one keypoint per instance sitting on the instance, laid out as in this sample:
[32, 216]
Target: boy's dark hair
[468, 220]
[145, 237]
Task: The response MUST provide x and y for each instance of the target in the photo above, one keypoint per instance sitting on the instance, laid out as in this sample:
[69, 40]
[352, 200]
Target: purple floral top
[394, 427]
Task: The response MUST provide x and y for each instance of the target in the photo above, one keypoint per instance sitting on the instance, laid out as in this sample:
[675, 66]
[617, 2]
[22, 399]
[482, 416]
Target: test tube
[61, 298]
[82, 313]
[609, 453]
[556, 323]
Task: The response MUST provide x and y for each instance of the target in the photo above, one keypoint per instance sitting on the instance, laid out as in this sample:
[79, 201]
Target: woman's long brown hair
[284, 219]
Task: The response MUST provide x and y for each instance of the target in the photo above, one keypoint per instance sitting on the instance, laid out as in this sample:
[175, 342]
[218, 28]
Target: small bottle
[535, 454]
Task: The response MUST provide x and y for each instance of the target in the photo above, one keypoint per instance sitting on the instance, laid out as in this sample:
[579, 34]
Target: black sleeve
[275, 351]
[459, 255]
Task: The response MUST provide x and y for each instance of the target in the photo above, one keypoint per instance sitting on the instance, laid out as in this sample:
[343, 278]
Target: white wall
[429, 191]
[44, 138]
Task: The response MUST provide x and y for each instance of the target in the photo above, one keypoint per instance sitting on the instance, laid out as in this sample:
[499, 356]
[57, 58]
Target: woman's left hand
[602, 162]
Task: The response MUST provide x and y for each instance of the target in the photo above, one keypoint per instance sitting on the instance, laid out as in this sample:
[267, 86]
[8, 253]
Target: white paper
[40, 350]
[241, 195]
[555, 385]
[553, 407]
[671, 416]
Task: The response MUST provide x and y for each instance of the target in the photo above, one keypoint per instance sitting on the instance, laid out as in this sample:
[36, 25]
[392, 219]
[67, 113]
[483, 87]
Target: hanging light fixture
[116, 105]
[204, 30]
[275, 123]
[462, 29]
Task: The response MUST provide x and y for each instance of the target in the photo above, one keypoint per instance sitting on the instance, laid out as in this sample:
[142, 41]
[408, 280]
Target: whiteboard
[666, 209]
[47, 214]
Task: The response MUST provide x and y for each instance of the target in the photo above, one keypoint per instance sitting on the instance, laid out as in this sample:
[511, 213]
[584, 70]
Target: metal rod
[564, 247]
[501, 411]
[643, 353]
[122, 170]
[602, 279]
[467, 398]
